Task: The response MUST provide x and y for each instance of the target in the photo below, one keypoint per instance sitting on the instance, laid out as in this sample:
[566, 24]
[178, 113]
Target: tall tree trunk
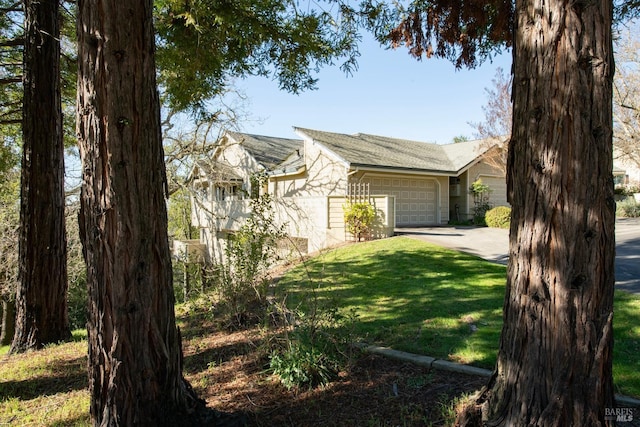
[555, 358]
[41, 299]
[8, 322]
[135, 355]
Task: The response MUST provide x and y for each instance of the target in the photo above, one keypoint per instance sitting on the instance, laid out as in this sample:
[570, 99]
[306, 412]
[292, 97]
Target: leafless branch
[630, 107]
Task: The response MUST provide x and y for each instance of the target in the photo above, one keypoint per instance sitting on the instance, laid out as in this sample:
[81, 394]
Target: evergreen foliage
[358, 218]
[498, 217]
[204, 44]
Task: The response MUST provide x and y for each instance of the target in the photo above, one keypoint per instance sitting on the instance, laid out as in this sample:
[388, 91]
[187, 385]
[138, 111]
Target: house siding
[326, 174]
[301, 201]
[301, 217]
[237, 157]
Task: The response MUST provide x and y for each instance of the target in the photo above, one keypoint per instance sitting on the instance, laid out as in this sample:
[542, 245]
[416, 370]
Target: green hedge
[499, 217]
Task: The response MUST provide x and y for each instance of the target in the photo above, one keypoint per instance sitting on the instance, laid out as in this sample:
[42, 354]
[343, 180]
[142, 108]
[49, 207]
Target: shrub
[317, 342]
[633, 188]
[300, 366]
[481, 193]
[499, 217]
[620, 191]
[359, 218]
[242, 281]
[628, 208]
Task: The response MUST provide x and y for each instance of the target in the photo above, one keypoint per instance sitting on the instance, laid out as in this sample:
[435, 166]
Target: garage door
[498, 188]
[416, 199]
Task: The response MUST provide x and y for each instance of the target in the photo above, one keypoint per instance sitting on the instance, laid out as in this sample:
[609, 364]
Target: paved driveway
[493, 244]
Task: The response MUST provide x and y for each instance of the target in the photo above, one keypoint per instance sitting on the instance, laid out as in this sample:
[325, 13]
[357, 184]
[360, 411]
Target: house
[409, 183]
[625, 173]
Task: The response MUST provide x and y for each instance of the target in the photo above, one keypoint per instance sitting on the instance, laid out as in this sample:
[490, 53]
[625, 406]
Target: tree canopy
[202, 44]
[465, 32]
[11, 73]
[11, 41]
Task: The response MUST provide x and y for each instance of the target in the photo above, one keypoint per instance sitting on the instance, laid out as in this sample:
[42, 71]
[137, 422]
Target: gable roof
[267, 150]
[364, 150]
[215, 171]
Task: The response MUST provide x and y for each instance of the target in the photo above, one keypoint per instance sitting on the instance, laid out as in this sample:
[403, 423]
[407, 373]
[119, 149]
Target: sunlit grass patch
[626, 347]
[45, 387]
[421, 298]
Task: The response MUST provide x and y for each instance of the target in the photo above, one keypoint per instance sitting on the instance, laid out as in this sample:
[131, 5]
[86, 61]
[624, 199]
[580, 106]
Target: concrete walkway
[492, 244]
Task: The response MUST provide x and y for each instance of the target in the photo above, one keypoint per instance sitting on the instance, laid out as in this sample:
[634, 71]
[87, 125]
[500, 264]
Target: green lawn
[424, 299]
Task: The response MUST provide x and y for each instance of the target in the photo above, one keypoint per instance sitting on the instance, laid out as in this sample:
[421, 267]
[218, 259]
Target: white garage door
[416, 199]
[498, 188]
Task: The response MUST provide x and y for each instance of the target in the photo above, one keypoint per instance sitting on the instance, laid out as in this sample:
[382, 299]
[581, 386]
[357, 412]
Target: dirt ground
[228, 370]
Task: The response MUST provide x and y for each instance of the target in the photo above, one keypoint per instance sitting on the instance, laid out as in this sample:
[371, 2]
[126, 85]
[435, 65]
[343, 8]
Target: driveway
[492, 244]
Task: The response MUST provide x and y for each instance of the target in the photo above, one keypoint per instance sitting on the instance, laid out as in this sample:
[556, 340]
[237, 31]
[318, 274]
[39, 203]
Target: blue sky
[391, 94]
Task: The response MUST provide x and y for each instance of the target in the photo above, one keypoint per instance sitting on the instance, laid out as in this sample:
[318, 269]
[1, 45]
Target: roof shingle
[378, 151]
[267, 150]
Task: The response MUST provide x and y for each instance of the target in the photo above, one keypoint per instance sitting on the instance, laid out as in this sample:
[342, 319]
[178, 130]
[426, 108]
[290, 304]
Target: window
[620, 179]
[202, 191]
[228, 192]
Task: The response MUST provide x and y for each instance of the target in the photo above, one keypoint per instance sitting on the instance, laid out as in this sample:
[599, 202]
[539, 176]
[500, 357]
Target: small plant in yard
[299, 366]
[481, 193]
[316, 346]
[358, 218]
[498, 217]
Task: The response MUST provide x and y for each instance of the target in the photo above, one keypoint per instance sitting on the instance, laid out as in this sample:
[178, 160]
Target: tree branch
[11, 80]
[16, 7]
[12, 42]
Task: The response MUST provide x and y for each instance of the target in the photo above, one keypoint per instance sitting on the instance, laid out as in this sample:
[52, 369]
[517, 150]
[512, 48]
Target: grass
[46, 388]
[417, 297]
[406, 294]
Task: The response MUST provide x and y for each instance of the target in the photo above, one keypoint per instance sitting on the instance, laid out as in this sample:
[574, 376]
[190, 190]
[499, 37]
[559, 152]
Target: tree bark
[41, 299]
[8, 322]
[135, 355]
[554, 365]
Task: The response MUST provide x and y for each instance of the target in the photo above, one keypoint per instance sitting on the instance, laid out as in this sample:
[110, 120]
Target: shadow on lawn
[68, 375]
[423, 300]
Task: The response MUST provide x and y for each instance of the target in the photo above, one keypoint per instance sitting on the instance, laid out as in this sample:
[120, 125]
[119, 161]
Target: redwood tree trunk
[8, 315]
[41, 299]
[135, 356]
[555, 358]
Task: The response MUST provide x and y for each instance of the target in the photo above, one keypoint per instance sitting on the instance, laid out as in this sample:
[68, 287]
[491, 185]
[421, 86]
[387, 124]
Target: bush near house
[498, 217]
[359, 218]
[628, 208]
[481, 193]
